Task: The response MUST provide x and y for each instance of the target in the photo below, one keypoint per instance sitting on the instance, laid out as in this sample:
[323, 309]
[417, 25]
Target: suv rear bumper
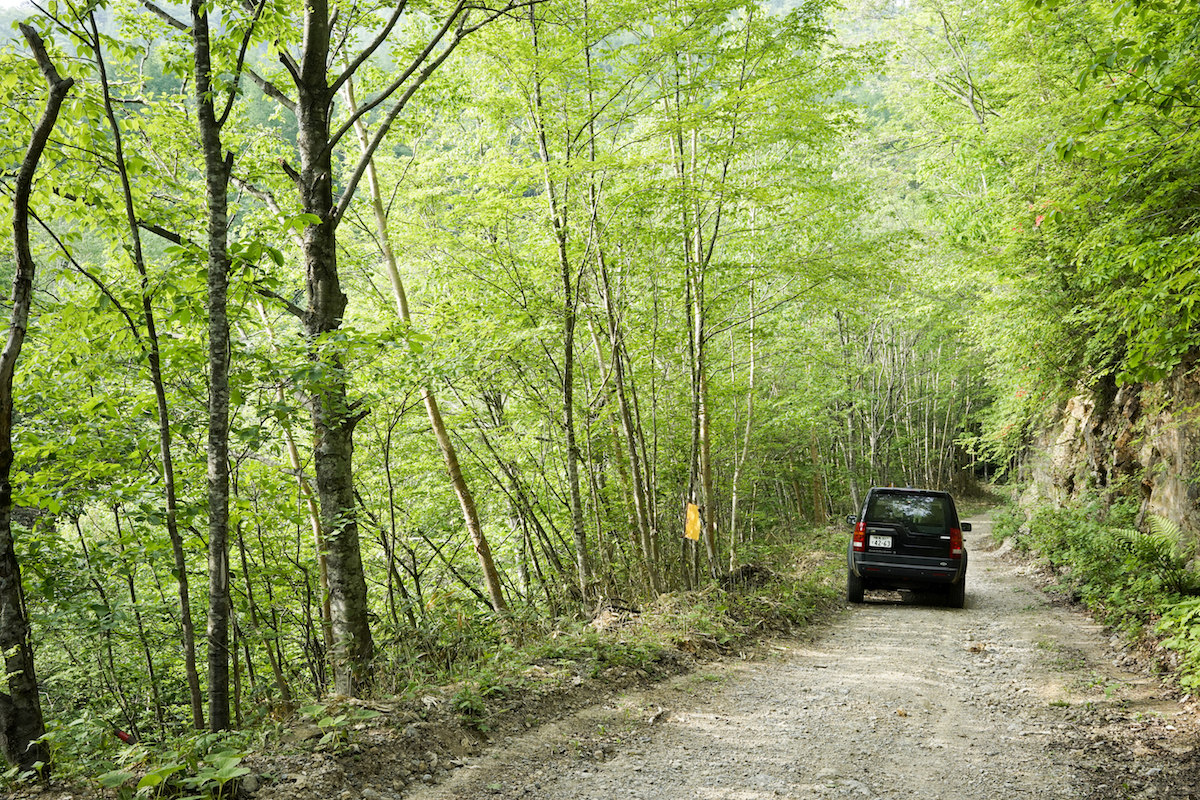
[906, 572]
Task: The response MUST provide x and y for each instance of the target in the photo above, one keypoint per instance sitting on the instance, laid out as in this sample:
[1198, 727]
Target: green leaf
[111, 780]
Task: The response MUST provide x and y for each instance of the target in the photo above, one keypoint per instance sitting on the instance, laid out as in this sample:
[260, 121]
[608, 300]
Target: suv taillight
[956, 546]
[860, 536]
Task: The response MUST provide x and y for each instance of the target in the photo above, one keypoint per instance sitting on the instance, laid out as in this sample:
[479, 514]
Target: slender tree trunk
[699, 336]
[287, 706]
[147, 654]
[850, 449]
[237, 675]
[620, 459]
[388, 538]
[21, 722]
[107, 635]
[217, 167]
[558, 221]
[642, 511]
[819, 517]
[154, 360]
[697, 254]
[466, 499]
[334, 416]
[734, 536]
[570, 301]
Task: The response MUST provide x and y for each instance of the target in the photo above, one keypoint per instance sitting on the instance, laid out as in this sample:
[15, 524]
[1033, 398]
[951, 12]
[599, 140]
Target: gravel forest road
[1012, 697]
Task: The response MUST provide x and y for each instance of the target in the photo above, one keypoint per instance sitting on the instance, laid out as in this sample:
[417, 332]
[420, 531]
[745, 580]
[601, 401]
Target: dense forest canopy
[361, 331]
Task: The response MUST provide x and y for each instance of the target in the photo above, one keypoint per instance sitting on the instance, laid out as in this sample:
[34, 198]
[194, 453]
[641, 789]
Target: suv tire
[854, 587]
[956, 596]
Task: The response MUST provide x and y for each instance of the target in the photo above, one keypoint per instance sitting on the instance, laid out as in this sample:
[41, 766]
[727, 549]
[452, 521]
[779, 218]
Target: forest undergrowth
[517, 675]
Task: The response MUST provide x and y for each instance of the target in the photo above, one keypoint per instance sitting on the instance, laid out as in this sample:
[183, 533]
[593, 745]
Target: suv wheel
[956, 597]
[854, 587]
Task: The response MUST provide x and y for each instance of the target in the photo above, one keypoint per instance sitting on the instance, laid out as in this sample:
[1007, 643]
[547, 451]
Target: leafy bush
[202, 766]
[1006, 524]
[1161, 552]
[1128, 577]
[335, 723]
[1181, 624]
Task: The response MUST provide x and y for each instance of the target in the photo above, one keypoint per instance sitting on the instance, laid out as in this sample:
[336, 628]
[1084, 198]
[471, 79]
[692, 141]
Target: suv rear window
[918, 513]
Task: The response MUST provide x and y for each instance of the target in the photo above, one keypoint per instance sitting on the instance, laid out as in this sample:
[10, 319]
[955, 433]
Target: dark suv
[907, 539]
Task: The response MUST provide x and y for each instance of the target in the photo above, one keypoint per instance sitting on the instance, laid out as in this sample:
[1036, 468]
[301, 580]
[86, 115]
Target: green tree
[21, 722]
[308, 68]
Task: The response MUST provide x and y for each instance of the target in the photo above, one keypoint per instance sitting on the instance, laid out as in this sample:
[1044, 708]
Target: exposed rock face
[1140, 442]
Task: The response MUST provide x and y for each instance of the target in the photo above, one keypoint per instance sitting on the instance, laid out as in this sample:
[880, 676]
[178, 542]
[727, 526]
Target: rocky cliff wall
[1139, 442]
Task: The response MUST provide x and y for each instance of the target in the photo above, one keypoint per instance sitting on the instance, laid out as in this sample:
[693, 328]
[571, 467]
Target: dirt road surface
[1012, 697]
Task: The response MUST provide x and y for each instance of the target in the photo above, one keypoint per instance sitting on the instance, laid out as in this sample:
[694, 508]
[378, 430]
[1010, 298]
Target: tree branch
[458, 18]
[66, 253]
[241, 62]
[166, 17]
[370, 49]
[272, 91]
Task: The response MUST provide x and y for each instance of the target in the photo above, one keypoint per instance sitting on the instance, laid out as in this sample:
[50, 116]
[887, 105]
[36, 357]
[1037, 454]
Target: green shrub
[1127, 577]
[202, 766]
[1006, 524]
[1181, 625]
[1162, 552]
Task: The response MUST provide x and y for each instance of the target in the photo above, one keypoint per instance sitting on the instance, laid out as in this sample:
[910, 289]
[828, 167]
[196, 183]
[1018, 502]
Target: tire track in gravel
[896, 698]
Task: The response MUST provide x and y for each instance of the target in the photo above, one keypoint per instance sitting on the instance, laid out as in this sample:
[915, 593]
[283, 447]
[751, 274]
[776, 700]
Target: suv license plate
[882, 542]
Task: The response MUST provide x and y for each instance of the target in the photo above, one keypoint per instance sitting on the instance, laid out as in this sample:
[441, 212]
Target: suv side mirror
[851, 519]
[966, 527]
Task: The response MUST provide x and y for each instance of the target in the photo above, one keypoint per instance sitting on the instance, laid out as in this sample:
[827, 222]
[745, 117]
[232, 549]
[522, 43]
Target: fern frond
[1161, 552]
[1169, 530]
[1162, 526]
